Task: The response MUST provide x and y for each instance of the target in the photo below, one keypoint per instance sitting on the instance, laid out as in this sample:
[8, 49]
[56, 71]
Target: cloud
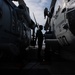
[37, 7]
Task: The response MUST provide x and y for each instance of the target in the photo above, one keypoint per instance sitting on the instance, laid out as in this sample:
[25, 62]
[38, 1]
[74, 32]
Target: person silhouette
[39, 36]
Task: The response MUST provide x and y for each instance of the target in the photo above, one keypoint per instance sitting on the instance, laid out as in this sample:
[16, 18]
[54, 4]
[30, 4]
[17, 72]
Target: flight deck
[55, 65]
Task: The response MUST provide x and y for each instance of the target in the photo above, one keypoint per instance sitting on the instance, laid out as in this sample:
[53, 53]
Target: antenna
[35, 20]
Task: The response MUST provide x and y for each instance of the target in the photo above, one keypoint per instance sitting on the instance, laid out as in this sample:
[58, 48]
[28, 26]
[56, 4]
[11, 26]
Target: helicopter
[15, 29]
[61, 20]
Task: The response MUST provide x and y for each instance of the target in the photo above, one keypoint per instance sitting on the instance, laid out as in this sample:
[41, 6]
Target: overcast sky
[37, 7]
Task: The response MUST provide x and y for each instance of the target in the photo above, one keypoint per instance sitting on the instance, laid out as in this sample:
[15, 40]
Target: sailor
[39, 36]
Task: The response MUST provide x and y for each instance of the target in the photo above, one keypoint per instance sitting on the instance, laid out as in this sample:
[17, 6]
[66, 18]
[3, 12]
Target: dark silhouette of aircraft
[15, 29]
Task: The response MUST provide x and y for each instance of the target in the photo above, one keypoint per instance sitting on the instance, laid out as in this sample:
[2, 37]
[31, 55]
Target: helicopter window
[58, 10]
[64, 10]
[58, 6]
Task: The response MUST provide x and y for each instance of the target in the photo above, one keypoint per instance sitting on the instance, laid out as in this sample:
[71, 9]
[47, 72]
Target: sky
[37, 7]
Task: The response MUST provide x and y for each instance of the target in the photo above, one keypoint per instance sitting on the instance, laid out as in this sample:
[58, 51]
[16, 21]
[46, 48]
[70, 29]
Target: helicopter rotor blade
[35, 20]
